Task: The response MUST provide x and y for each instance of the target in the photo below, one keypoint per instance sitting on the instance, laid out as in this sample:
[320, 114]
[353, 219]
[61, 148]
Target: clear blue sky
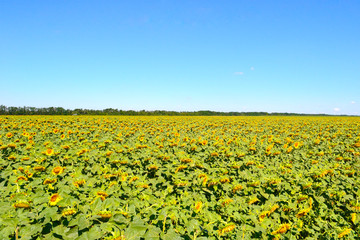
[275, 56]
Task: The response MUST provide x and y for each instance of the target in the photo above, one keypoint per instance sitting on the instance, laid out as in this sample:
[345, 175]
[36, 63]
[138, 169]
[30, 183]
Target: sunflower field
[84, 177]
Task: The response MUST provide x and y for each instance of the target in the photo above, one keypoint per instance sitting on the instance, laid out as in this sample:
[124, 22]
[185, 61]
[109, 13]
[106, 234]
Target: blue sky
[242, 55]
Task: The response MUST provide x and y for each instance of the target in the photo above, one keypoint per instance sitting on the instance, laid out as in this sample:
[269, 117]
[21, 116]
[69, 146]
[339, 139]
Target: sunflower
[133, 179]
[214, 154]
[12, 145]
[39, 168]
[302, 198]
[54, 199]
[353, 217]
[344, 233]
[263, 215]
[123, 177]
[66, 147]
[237, 188]
[186, 160]
[79, 183]
[225, 180]
[254, 200]
[49, 152]
[57, 170]
[276, 153]
[252, 149]
[289, 149]
[226, 229]
[105, 215]
[303, 212]
[3, 147]
[273, 209]
[198, 206]
[49, 181]
[9, 135]
[143, 186]
[227, 202]
[268, 149]
[153, 167]
[179, 168]
[68, 212]
[81, 152]
[21, 178]
[102, 195]
[282, 229]
[249, 163]
[22, 204]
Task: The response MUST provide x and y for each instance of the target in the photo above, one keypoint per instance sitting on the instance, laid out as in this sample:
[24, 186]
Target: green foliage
[179, 178]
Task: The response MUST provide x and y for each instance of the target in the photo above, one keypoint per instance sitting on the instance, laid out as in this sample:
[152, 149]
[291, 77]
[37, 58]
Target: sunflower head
[22, 204]
[49, 181]
[49, 152]
[39, 168]
[198, 206]
[54, 199]
[57, 170]
[21, 178]
[282, 229]
[263, 215]
[226, 229]
[344, 233]
[11, 145]
[66, 147]
[68, 212]
[9, 135]
[105, 215]
[79, 183]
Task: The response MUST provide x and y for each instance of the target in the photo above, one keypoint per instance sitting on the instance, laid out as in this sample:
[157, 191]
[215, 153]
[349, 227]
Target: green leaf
[136, 230]
[152, 233]
[50, 212]
[60, 230]
[40, 200]
[71, 234]
[94, 233]
[83, 222]
[106, 227]
[7, 232]
[171, 235]
[30, 230]
[192, 225]
[119, 218]
[11, 222]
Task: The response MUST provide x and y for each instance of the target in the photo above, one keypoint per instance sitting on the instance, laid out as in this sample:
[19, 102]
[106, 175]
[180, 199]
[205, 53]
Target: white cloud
[336, 109]
[252, 68]
[352, 102]
[238, 73]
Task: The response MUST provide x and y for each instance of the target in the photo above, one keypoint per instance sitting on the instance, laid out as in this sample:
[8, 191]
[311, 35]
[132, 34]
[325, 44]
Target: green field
[74, 177]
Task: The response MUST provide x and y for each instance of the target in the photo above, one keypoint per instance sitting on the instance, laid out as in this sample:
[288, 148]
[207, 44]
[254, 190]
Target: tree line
[111, 111]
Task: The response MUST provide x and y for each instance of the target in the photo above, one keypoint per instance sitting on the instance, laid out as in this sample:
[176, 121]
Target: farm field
[84, 177]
